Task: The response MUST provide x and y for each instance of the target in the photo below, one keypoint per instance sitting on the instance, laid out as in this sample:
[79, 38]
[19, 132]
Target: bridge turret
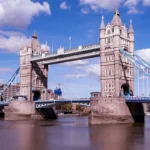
[131, 37]
[102, 34]
[102, 29]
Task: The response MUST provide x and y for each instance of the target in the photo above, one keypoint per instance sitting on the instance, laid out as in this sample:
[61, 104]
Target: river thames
[73, 133]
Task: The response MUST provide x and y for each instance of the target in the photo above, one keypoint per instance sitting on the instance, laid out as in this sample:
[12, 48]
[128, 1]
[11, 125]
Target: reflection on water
[72, 133]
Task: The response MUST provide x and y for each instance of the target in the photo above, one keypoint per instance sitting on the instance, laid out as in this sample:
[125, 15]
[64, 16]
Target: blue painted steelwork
[141, 65]
[138, 99]
[46, 103]
[4, 103]
[137, 61]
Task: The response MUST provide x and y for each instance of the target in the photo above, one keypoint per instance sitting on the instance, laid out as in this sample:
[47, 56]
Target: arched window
[113, 30]
[37, 81]
[109, 72]
[108, 32]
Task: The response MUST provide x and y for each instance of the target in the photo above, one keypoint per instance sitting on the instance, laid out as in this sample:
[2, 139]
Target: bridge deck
[4, 103]
[138, 99]
[45, 103]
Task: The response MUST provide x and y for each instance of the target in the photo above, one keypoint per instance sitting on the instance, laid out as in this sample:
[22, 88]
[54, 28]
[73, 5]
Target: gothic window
[37, 81]
[108, 40]
[113, 30]
[108, 32]
[110, 58]
[109, 72]
[120, 31]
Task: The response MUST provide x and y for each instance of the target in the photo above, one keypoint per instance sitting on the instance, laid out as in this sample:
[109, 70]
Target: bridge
[61, 56]
[116, 50]
[47, 103]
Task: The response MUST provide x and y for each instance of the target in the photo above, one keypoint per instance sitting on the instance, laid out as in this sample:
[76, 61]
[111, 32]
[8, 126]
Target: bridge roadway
[46, 103]
[61, 56]
[138, 99]
[86, 101]
[4, 103]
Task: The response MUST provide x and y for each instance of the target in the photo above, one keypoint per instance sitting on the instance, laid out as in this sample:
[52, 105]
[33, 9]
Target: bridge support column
[115, 110]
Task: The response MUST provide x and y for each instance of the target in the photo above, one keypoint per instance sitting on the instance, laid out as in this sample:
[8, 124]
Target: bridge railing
[69, 51]
[73, 57]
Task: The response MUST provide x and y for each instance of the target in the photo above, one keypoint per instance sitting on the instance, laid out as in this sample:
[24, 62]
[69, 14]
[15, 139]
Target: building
[15, 90]
[38, 72]
[11, 91]
[116, 70]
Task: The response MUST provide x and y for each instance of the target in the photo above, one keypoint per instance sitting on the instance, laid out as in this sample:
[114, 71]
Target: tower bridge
[116, 71]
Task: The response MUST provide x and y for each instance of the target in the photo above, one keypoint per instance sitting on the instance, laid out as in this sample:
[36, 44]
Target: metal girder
[137, 61]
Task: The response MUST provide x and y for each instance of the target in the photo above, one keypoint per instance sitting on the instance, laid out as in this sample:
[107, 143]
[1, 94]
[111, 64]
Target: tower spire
[116, 19]
[131, 28]
[102, 24]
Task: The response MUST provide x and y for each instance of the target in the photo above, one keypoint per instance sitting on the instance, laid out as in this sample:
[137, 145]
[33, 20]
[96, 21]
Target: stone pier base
[18, 110]
[115, 110]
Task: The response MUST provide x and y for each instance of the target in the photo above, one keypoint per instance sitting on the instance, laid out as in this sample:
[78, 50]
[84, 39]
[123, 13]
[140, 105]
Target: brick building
[15, 89]
[11, 91]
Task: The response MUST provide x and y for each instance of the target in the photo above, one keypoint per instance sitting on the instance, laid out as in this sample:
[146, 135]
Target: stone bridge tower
[33, 76]
[115, 69]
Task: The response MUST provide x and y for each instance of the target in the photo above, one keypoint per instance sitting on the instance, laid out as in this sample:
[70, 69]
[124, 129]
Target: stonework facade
[33, 76]
[115, 69]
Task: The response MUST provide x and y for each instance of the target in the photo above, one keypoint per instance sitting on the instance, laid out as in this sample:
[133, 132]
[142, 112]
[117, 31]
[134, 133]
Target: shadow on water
[117, 137]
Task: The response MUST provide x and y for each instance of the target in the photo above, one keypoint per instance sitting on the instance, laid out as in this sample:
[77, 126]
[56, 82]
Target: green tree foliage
[67, 107]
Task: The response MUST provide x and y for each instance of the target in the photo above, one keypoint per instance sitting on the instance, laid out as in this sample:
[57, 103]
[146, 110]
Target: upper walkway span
[81, 52]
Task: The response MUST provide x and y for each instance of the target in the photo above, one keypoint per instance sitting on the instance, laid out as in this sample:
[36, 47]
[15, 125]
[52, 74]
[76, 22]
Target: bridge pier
[115, 110]
[19, 110]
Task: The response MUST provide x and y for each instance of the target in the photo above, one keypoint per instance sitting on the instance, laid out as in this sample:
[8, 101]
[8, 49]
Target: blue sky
[55, 21]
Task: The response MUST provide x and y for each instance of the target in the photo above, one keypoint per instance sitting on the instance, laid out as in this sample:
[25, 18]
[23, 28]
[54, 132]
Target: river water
[72, 133]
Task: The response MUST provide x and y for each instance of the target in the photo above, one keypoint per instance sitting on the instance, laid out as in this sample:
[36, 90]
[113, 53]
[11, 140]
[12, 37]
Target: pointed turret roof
[131, 28]
[102, 24]
[34, 36]
[34, 41]
[116, 19]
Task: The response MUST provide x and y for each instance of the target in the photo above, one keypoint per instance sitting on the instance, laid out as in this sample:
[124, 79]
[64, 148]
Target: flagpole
[70, 41]
[52, 47]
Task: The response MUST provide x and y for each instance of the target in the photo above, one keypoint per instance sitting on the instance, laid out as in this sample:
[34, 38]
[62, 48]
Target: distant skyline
[55, 22]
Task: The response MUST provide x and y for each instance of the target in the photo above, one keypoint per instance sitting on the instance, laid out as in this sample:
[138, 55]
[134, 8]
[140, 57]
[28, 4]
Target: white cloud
[1, 81]
[74, 75]
[144, 54]
[4, 70]
[97, 5]
[19, 13]
[133, 10]
[45, 47]
[103, 4]
[131, 2]
[64, 5]
[11, 41]
[85, 11]
[78, 62]
[146, 2]
[90, 71]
